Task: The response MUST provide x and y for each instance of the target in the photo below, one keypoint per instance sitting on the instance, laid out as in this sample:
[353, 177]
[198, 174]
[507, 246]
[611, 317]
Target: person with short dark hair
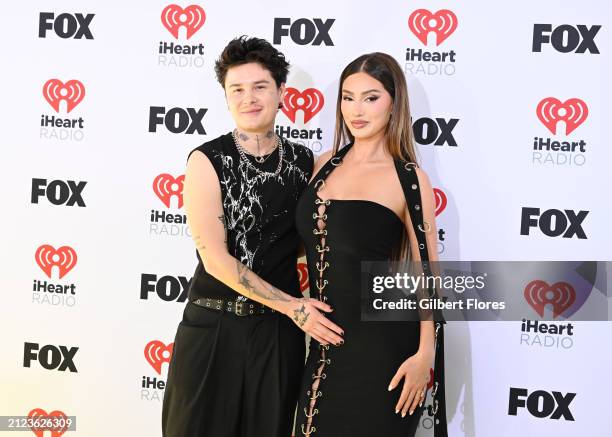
[238, 360]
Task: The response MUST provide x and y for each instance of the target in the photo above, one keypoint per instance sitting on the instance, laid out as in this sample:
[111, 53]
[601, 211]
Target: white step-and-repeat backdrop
[101, 101]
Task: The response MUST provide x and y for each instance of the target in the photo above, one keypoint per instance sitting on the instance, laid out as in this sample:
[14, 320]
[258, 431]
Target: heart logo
[39, 413]
[573, 112]
[165, 186]
[47, 257]
[441, 200]
[72, 92]
[310, 101]
[443, 23]
[157, 353]
[561, 295]
[302, 269]
[192, 17]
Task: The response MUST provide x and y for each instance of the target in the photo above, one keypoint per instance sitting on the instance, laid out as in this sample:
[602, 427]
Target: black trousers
[233, 376]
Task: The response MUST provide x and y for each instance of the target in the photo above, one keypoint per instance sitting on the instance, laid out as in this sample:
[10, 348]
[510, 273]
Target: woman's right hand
[306, 314]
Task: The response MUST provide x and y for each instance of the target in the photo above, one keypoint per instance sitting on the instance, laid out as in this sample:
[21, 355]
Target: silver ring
[427, 227]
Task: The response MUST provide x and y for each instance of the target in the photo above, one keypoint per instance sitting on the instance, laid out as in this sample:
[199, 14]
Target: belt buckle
[238, 308]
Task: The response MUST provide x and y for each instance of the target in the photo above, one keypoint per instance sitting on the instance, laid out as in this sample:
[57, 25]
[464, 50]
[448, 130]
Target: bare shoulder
[424, 181]
[321, 160]
[198, 161]
[200, 172]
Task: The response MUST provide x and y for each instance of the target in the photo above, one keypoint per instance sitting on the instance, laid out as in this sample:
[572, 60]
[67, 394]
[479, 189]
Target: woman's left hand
[415, 372]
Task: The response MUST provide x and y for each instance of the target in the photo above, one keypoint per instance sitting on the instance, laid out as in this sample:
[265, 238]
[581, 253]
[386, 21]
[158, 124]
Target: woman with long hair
[369, 201]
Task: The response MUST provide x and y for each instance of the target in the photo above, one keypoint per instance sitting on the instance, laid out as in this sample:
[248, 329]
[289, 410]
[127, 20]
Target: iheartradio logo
[166, 186]
[39, 413]
[64, 258]
[443, 23]
[72, 92]
[192, 18]
[441, 200]
[561, 295]
[302, 269]
[310, 101]
[157, 353]
[573, 112]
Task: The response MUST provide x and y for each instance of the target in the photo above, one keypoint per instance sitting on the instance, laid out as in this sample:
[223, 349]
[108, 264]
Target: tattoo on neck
[300, 316]
[245, 137]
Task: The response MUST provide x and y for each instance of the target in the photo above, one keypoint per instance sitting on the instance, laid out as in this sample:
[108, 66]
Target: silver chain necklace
[245, 159]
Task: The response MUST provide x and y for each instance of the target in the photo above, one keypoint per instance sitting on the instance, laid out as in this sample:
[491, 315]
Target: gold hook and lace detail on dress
[320, 217]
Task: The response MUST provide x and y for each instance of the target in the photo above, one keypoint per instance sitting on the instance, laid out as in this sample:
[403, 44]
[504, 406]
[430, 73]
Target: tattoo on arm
[266, 291]
[242, 277]
[222, 220]
[300, 316]
[199, 243]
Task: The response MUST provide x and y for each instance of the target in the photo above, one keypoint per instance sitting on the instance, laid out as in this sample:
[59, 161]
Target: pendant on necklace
[259, 159]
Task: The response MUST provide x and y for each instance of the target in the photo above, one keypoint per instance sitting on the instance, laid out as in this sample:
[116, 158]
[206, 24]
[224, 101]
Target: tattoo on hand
[300, 316]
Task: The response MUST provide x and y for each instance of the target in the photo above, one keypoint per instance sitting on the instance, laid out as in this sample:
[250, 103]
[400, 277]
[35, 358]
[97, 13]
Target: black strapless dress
[349, 383]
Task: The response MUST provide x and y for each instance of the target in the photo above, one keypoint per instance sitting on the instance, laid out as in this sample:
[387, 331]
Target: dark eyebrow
[256, 83]
[365, 92]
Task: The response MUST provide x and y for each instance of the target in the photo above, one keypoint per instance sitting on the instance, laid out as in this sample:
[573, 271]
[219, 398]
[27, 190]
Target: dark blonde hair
[399, 137]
